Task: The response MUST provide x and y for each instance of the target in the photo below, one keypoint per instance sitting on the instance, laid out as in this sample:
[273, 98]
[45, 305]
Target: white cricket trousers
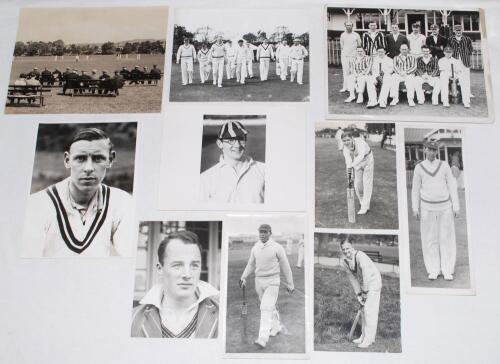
[241, 72]
[463, 79]
[250, 68]
[363, 181]
[187, 70]
[345, 61]
[204, 71]
[358, 83]
[268, 289]
[439, 247]
[297, 68]
[218, 70]
[283, 67]
[432, 81]
[300, 256]
[409, 81]
[384, 90]
[230, 68]
[369, 320]
[263, 68]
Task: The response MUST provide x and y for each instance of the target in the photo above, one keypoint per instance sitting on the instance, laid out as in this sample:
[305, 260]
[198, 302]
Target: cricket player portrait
[80, 215]
[435, 203]
[181, 305]
[237, 177]
[367, 283]
[359, 157]
[267, 260]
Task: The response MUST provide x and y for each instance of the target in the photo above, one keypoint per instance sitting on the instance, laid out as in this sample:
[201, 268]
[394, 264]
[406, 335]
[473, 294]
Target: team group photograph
[437, 214]
[404, 61]
[88, 61]
[356, 179]
[228, 58]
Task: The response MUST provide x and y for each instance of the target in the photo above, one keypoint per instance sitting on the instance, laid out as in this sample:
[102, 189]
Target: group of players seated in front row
[415, 67]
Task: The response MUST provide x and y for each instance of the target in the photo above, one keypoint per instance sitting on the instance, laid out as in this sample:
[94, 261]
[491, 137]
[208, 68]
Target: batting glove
[243, 282]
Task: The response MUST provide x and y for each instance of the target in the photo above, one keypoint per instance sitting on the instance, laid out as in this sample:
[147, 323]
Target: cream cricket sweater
[434, 186]
[266, 259]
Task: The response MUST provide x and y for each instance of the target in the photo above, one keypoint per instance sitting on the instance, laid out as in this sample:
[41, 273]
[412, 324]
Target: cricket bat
[351, 209]
[355, 323]
[453, 87]
[244, 308]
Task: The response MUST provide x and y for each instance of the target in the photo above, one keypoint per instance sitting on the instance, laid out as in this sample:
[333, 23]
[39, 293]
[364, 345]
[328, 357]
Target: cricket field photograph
[347, 321]
[284, 296]
[90, 60]
[356, 160]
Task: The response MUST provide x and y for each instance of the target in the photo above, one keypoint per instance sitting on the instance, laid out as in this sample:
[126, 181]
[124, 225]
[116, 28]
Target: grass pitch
[241, 332]
[331, 185]
[335, 307]
[274, 89]
[132, 99]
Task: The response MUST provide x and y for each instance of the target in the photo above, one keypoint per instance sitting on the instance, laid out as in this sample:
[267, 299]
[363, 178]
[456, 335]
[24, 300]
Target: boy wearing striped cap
[435, 203]
[236, 178]
[81, 216]
[181, 305]
[267, 260]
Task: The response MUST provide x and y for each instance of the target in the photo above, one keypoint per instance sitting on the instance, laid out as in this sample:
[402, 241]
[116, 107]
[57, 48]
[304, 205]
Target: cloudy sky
[92, 25]
[234, 23]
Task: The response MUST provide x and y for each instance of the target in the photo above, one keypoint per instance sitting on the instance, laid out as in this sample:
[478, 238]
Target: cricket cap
[265, 227]
[231, 130]
[431, 144]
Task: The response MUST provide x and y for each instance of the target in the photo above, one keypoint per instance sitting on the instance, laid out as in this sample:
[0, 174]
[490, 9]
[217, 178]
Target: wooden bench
[147, 79]
[91, 88]
[33, 95]
[374, 255]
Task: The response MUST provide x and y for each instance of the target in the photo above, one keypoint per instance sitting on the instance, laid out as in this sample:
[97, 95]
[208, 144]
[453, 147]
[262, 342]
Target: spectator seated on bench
[26, 88]
[85, 84]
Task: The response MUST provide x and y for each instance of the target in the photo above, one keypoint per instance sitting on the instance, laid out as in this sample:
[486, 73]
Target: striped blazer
[370, 45]
[431, 67]
[360, 66]
[404, 64]
[462, 49]
[146, 320]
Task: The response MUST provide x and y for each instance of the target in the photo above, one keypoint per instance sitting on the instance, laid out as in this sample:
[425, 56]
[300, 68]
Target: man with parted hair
[394, 41]
[81, 215]
[366, 281]
[373, 39]
[180, 305]
[236, 178]
[349, 42]
[416, 40]
[427, 73]
[381, 74]
[405, 66]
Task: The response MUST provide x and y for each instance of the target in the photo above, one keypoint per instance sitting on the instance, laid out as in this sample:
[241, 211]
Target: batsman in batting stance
[359, 156]
[435, 203]
[367, 283]
[267, 260]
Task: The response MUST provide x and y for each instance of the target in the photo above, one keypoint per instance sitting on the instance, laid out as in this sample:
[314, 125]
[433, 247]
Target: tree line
[59, 48]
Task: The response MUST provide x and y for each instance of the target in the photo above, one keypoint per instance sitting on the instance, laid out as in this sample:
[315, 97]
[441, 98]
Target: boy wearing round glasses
[236, 178]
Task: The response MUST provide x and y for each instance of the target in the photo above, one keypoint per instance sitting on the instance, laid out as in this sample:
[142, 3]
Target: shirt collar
[246, 161]
[71, 206]
[155, 295]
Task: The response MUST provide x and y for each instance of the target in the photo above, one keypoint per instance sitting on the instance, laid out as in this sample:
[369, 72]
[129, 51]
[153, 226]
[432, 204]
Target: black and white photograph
[80, 202]
[233, 159]
[408, 64]
[357, 293]
[236, 158]
[265, 300]
[437, 212]
[356, 177]
[177, 280]
[236, 55]
[88, 60]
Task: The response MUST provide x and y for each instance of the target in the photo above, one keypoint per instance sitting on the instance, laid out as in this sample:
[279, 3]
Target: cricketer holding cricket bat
[367, 283]
[267, 259]
[359, 156]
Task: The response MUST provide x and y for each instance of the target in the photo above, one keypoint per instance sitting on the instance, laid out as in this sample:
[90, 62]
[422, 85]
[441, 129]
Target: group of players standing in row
[379, 60]
[238, 60]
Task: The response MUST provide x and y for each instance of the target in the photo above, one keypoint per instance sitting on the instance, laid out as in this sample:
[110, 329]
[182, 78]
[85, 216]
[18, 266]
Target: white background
[78, 311]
